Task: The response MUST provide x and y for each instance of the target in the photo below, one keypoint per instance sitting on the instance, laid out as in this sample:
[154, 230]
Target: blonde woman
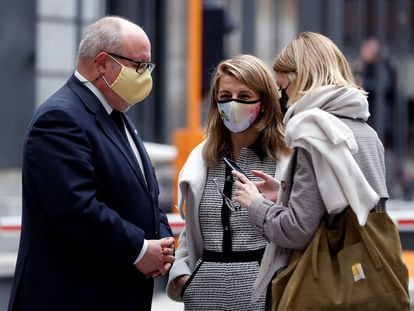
[338, 160]
[219, 253]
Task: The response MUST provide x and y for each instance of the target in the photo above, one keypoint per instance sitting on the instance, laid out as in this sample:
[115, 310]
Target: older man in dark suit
[93, 234]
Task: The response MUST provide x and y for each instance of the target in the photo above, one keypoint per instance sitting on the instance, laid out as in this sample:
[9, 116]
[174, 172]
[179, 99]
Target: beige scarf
[310, 124]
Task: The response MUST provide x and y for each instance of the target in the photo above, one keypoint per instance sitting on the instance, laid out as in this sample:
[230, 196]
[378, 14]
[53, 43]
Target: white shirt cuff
[142, 252]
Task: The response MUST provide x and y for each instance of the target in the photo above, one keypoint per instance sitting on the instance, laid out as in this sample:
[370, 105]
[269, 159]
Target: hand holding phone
[268, 186]
[233, 165]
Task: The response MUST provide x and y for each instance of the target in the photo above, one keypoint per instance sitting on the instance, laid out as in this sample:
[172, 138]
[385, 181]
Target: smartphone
[233, 165]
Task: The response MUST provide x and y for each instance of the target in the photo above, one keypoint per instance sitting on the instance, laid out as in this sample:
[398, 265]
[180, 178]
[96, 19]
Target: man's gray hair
[103, 35]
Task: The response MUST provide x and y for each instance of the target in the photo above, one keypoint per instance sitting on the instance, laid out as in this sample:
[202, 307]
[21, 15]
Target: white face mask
[238, 115]
[131, 86]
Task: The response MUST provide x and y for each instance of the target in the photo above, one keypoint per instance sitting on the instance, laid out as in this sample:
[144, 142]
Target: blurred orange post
[408, 258]
[186, 139]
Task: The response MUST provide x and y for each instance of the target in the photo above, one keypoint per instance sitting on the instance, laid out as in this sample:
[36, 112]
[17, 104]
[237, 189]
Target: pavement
[160, 301]
[163, 303]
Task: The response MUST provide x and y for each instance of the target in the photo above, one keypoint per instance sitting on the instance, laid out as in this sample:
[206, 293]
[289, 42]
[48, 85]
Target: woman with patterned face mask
[219, 253]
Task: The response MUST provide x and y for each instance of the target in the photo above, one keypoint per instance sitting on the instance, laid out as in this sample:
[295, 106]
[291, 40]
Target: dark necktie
[116, 116]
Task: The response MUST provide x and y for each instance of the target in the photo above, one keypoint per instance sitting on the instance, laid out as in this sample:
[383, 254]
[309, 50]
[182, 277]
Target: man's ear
[101, 62]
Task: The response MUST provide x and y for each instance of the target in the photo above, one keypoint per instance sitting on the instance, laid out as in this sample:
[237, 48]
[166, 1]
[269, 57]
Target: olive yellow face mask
[131, 86]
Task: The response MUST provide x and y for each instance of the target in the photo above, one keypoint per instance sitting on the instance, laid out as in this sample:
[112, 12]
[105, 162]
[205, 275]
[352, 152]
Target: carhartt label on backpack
[358, 272]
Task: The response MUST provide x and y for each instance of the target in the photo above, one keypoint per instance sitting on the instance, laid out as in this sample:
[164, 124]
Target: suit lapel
[146, 162]
[112, 131]
[107, 125]
[147, 167]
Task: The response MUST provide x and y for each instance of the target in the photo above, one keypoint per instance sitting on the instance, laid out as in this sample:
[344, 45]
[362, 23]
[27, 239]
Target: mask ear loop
[106, 82]
[101, 75]
[115, 60]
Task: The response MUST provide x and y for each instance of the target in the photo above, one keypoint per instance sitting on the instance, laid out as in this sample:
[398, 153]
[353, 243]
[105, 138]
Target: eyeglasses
[141, 66]
[229, 203]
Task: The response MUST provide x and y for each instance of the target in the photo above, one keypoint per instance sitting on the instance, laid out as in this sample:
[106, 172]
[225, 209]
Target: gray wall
[17, 55]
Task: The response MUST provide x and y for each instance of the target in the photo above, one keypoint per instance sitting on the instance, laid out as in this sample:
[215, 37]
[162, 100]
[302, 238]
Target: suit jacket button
[283, 185]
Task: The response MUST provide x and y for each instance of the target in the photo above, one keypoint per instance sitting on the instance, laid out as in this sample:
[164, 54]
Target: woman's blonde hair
[255, 74]
[313, 60]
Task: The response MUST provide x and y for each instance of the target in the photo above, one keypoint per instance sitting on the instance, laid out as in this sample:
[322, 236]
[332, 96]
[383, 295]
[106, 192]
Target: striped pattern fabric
[218, 285]
[244, 236]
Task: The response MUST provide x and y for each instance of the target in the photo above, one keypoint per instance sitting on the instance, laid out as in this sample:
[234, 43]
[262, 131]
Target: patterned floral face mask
[238, 115]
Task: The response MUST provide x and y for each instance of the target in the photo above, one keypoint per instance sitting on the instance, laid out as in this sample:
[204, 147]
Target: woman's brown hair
[255, 74]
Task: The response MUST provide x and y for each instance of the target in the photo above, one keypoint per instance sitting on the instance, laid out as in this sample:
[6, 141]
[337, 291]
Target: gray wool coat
[292, 224]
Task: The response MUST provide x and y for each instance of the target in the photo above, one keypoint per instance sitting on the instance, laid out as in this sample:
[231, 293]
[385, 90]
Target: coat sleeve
[181, 264]
[292, 226]
[194, 167]
[180, 267]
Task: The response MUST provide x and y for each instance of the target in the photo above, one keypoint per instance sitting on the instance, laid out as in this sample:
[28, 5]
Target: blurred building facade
[40, 38]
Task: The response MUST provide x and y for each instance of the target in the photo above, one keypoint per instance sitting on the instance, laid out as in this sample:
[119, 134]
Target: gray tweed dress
[220, 283]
